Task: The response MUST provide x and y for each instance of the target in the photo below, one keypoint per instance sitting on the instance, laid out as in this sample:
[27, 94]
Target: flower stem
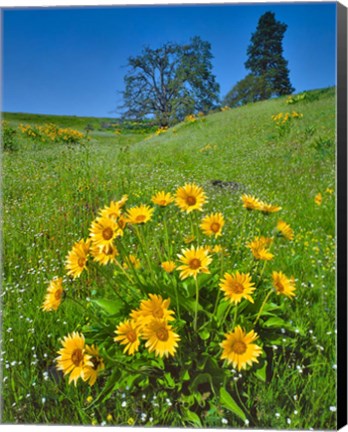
[227, 313]
[263, 305]
[196, 306]
[74, 300]
[241, 234]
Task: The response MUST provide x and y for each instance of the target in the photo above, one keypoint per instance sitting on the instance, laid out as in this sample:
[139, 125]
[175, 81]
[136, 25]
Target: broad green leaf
[186, 376]
[204, 334]
[201, 378]
[169, 380]
[192, 418]
[261, 372]
[274, 322]
[228, 402]
[222, 309]
[108, 389]
[110, 307]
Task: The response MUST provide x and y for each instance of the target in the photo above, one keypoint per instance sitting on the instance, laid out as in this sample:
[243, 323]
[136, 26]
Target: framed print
[174, 215]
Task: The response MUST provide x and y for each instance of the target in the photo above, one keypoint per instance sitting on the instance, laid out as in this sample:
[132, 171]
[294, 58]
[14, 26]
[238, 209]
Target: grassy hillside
[52, 192]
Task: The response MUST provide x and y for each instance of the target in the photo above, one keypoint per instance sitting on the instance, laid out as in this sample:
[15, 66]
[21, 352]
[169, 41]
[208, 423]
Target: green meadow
[51, 192]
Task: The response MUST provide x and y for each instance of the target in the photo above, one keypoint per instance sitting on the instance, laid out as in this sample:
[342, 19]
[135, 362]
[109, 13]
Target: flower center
[81, 262]
[121, 223]
[77, 356]
[239, 347]
[191, 200]
[96, 362]
[163, 203]
[279, 286]
[131, 336]
[215, 227]
[158, 312]
[108, 233]
[140, 218]
[162, 334]
[108, 250]
[237, 288]
[58, 294]
[195, 263]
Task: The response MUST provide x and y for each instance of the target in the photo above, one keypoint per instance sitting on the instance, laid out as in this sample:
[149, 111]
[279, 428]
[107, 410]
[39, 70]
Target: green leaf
[227, 402]
[186, 376]
[190, 305]
[274, 322]
[204, 334]
[201, 378]
[192, 417]
[222, 309]
[261, 372]
[169, 380]
[108, 389]
[110, 307]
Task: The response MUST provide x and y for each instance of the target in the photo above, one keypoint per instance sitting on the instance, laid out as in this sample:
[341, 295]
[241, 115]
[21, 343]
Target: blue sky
[73, 60]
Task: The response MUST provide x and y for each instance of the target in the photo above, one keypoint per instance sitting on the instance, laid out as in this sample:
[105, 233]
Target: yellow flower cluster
[51, 133]
[151, 323]
[225, 108]
[252, 203]
[298, 98]
[207, 148]
[191, 118]
[161, 130]
[283, 118]
[151, 320]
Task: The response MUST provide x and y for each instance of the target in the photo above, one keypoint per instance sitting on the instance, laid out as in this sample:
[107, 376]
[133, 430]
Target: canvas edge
[341, 228]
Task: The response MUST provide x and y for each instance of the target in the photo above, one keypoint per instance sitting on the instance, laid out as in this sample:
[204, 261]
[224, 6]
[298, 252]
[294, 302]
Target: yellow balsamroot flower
[113, 211]
[76, 259]
[269, 208]
[194, 261]
[122, 222]
[259, 249]
[168, 266]
[283, 285]
[122, 201]
[54, 295]
[162, 199]
[155, 307]
[318, 199]
[103, 231]
[237, 286]
[190, 197]
[132, 261]
[73, 358]
[212, 224]
[285, 230]
[104, 254]
[128, 334]
[250, 202]
[139, 214]
[239, 349]
[160, 338]
[90, 373]
[189, 239]
[218, 249]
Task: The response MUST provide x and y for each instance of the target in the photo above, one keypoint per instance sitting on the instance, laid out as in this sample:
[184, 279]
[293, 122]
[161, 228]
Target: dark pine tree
[265, 56]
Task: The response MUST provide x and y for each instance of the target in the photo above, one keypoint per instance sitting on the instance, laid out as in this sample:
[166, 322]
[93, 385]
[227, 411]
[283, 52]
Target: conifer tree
[265, 56]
